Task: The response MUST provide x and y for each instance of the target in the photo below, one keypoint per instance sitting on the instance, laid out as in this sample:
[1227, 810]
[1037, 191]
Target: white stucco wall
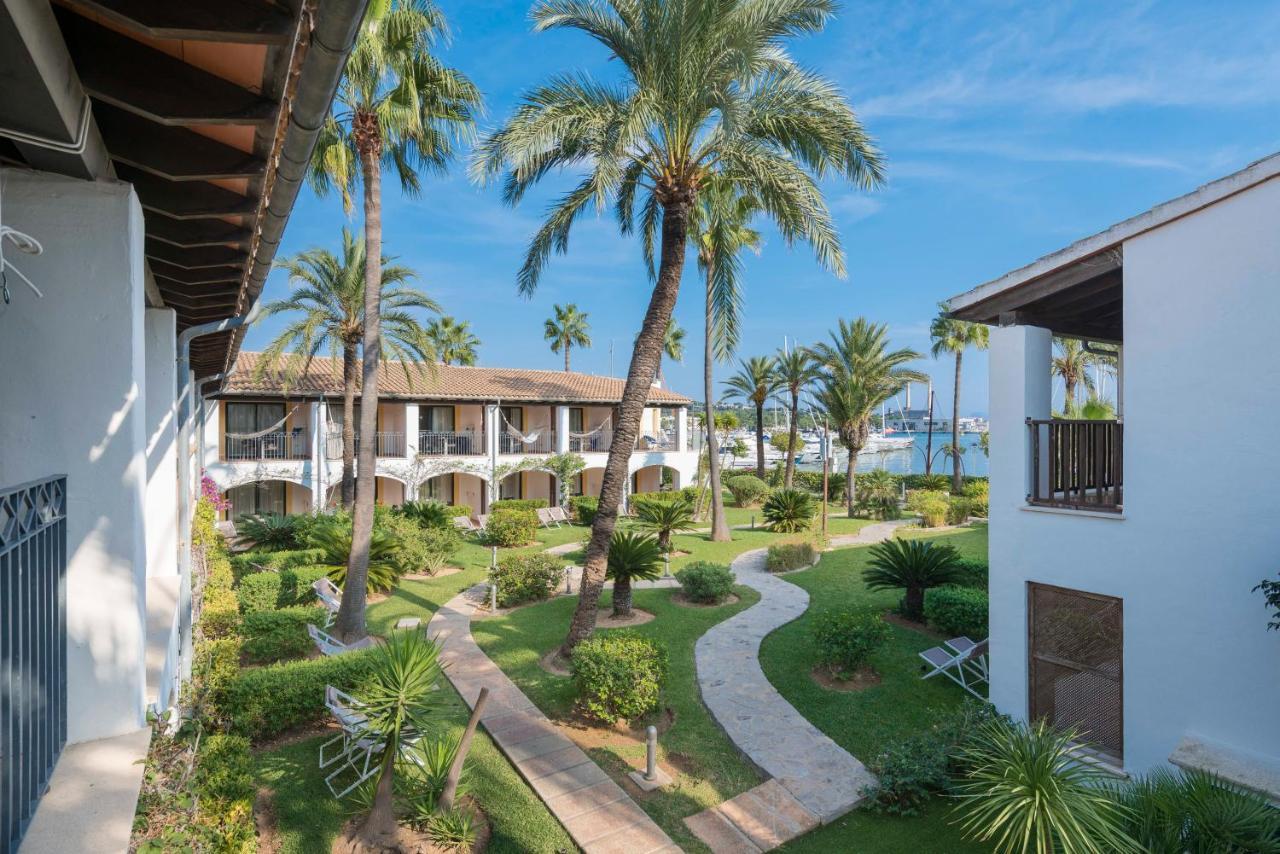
[1201, 296]
[160, 350]
[73, 401]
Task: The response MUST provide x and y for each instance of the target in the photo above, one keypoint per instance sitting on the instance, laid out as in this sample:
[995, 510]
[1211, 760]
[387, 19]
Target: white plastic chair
[560, 516]
[962, 661]
[329, 645]
[348, 712]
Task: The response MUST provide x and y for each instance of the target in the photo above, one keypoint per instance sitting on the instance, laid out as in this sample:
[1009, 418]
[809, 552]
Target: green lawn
[866, 721]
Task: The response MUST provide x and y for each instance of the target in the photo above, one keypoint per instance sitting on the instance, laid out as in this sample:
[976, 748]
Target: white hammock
[592, 432]
[526, 438]
[274, 428]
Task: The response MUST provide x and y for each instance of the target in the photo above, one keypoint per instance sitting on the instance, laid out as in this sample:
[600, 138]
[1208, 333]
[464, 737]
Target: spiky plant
[1196, 812]
[334, 540]
[664, 518]
[269, 532]
[428, 514]
[789, 510]
[914, 566]
[878, 495]
[633, 556]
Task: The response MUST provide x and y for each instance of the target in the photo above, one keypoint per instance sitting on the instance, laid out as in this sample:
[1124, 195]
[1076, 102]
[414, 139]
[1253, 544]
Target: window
[512, 486]
[436, 419]
[1076, 650]
[577, 418]
[439, 488]
[251, 498]
[257, 431]
[514, 416]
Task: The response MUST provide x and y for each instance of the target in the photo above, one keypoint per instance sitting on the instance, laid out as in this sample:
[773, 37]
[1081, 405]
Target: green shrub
[219, 613]
[932, 506]
[250, 562]
[584, 508]
[664, 518]
[266, 591]
[812, 482]
[877, 495]
[422, 549]
[269, 532]
[958, 510]
[271, 636]
[427, 514]
[971, 573]
[979, 494]
[511, 528]
[527, 578]
[223, 785]
[746, 489]
[266, 701]
[784, 557]
[706, 582]
[518, 504]
[618, 675]
[1172, 812]
[847, 639]
[957, 611]
[688, 493]
[789, 510]
[928, 482]
[216, 663]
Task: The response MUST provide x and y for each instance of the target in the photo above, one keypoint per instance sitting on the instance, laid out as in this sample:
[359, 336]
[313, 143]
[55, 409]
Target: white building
[1123, 553]
[152, 153]
[273, 446]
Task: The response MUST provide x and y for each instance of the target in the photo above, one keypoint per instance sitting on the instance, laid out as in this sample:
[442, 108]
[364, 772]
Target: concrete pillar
[682, 428]
[411, 430]
[562, 429]
[160, 325]
[491, 427]
[317, 414]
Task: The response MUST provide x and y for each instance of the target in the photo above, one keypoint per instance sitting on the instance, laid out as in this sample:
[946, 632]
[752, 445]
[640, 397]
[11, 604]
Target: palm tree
[755, 382]
[704, 87]
[859, 373]
[633, 556]
[569, 328]
[397, 106]
[664, 518]
[672, 346]
[328, 295]
[1072, 365]
[950, 335]
[913, 566]
[794, 371]
[454, 342]
[719, 230]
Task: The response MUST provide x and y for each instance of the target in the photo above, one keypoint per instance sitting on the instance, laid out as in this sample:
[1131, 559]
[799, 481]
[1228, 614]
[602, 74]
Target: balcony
[512, 443]
[293, 445]
[442, 444]
[1077, 464]
[596, 443]
[389, 444]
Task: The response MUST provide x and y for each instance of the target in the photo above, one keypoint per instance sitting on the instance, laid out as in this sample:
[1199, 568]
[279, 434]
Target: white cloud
[854, 207]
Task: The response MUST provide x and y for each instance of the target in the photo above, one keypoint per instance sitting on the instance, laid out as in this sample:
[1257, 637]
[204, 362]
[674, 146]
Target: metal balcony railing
[435, 443]
[511, 443]
[390, 444]
[1077, 464]
[596, 443]
[273, 446]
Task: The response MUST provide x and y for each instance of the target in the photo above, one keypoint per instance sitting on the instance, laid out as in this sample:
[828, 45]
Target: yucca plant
[425, 775]
[454, 830]
[664, 518]
[384, 555]
[633, 556]
[269, 532]
[915, 566]
[428, 514]
[789, 510]
[1023, 791]
[1196, 812]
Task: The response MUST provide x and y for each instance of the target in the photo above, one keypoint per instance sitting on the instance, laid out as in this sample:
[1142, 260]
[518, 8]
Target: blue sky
[1010, 130]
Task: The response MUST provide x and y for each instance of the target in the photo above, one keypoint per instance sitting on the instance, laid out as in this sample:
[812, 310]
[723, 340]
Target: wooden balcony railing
[1077, 464]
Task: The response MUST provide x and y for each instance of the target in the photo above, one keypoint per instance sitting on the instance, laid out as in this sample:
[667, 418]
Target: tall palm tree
[453, 340]
[328, 296]
[704, 86]
[719, 230]
[754, 383]
[396, 106]
[950, 335]
[1072, 364]
[569, 328]
[672, 346]
[859, 373]
[794, 371]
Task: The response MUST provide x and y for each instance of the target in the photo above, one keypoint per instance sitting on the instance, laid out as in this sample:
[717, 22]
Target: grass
[865, 722]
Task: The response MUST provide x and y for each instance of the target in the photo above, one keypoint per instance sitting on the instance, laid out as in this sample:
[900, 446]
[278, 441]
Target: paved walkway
[598, 814]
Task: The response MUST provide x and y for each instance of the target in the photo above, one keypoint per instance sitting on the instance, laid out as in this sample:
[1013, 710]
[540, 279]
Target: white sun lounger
[348, 712]
[464, 523]
[329, 645]
[483, 520]
[359, 747]
[559, 516]
[962, 661]
[546, 518]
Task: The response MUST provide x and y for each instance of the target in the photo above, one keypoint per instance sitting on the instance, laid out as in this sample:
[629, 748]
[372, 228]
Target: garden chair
[545, 517]
[329, 645]
[960, 660]
[560, 516]
[362, 747]
[483, 520]
[347, 711]
[330, 597]
[464, 523]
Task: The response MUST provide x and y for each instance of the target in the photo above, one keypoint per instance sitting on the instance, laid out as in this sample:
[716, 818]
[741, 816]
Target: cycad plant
[397, 106]
[878, 495]
[754, 383]
[914, 566]
[327, 311]
[1023, 792]
[428, 514]
[268, 532]
[633, 556]
[334, 539]
[950, 335]
[664, 518]
[701, 88]
[789, 510]
[453, 341]
[568, 328]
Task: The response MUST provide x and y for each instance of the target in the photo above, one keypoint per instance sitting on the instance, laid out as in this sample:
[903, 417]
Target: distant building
[917, 421]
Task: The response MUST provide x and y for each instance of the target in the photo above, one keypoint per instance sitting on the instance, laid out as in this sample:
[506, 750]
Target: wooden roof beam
[193, 233]
[186, 199]
[240, 21]
[172, 152]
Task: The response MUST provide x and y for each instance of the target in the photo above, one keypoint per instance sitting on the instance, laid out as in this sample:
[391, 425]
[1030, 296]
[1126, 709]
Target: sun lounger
[329, 645]
[483, 521]
[464, 523]
[545, 518]
[559, 515]
[962, 661]
[359, 747]
[348, 712]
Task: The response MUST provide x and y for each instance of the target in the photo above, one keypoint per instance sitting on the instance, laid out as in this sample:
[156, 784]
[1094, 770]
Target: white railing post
[411, 449]
[562, 429]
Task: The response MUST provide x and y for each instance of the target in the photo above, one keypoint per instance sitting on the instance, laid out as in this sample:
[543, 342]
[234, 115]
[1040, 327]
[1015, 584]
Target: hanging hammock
[608, 421]
[526, 438]
[274, 428]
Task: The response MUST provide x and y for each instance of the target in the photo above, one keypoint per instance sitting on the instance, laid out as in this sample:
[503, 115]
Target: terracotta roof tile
[447, 382]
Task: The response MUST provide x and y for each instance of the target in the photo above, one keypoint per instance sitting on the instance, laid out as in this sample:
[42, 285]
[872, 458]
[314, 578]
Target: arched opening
[456, 488]
[588, 482]
[656, 478]
[266, 496]
[388, 491]
[528, 485]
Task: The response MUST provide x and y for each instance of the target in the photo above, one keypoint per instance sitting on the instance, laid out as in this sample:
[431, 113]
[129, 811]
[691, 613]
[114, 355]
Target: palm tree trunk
[957, 482]
[719, 525]
[1068, 397]
[350, 624]
[792, 436]
[566, 357]
[348, 425]
[913, 603]
[622, 597]
[850, 488]
[760, 440]
[644, 365]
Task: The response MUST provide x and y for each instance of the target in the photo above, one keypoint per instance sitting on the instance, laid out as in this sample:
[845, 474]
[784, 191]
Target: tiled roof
[440, 382]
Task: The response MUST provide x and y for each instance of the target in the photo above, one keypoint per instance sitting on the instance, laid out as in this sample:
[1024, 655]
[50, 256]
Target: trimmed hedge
[584, 508]
[271, 636]
[688, 493]
[746, 489]
[527, 578]
[709, 583]
[955, 610]
[784, 557]
[267, 591]
[619, 675]
[847, 639]
[518, 504]
[973, 573]
[269, 700]
[247, 563]
[511, 528]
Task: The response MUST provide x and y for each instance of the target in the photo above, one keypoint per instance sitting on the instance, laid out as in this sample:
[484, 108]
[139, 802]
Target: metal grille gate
[1076, 659]
[33, 647]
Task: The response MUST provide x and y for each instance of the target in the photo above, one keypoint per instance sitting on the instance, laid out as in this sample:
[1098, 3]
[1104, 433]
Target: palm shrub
[269, 532]
[664, 518]
[746, 489]
[1023, 791]
[428, 514]
[633, 556]
[931, 482]
[789, 510]
[878, 492]
[334, 542]
[913, 565]
[1196, 811]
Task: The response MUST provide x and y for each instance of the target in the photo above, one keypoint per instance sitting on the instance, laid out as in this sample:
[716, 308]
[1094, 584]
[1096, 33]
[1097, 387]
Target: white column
[317, 414]
[562, 429]
[162, 442]
[411, 430]
[682, 428]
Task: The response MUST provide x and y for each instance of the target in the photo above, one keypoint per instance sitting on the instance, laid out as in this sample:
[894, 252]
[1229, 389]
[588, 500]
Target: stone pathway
[597, 813]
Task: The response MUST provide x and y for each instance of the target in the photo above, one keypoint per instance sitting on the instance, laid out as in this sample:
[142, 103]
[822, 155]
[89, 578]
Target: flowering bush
[209, 492]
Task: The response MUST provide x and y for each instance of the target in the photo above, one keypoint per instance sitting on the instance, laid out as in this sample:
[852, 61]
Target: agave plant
[915, 566]
[428, 514]
[1023, 791]
[664, 518]
[789, 510]
[425, 774]
[633, 556]
[269, 532]
[384, 555]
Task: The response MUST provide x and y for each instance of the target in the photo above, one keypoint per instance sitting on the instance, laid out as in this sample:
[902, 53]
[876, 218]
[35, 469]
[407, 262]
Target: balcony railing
[511, 443]
[660, 442]
[1077, 464]
[272, 446]
[388, 445]
[435, 444]
[596, 443]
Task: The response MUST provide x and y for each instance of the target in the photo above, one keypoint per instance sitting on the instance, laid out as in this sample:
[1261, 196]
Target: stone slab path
[596, 811]
[757, 820]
